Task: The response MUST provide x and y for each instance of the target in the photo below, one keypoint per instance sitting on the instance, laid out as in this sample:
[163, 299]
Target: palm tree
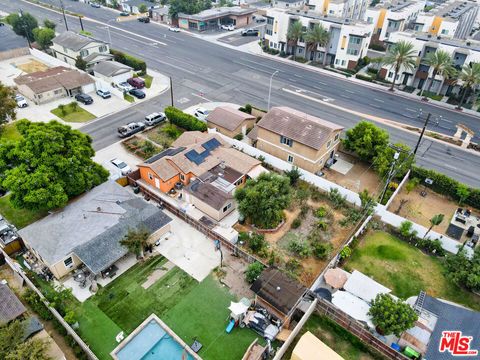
[441, 62]
[135, 241]
[401, 55]
[470, 76]
[434, 221]
[317, 36]
[294, 33]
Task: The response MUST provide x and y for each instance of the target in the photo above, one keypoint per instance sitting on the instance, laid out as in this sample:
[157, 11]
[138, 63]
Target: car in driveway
[174, 29]
[84, 98]
[155, 118]
[122, 166]
[124, 86]
[201, 114]
[21, 102]
[229, 27]
[104, 94]
[136, 82]
[250, 32]
[139, 94]
[130, 129]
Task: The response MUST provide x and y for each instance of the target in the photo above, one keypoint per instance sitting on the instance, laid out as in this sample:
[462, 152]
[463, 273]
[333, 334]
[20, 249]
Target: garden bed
[141, 147]
[164, 135]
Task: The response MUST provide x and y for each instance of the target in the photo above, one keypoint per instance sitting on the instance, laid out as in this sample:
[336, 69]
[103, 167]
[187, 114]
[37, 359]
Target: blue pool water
[152, 343]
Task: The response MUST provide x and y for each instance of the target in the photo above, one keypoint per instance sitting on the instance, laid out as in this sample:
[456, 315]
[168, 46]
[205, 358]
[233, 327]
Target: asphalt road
[204, 71]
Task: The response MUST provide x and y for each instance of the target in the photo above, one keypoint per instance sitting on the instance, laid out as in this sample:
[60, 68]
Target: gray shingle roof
[298, 126]
[111, 68]
[74, 41]
[451, 318]
[10, 305]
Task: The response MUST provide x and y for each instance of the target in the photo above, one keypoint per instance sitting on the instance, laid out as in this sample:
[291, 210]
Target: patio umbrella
[238, 309]
[336, 278]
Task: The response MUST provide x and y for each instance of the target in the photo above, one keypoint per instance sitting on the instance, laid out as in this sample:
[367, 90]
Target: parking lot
[235, 38]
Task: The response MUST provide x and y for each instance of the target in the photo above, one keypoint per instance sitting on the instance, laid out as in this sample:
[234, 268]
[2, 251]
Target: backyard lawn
[406, 270]
[73, 113]
[10, 132]
[18, 217]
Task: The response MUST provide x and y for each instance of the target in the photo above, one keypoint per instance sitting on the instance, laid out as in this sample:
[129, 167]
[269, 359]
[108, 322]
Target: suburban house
[288, 4]
[162, 15]
[278, 293]
[133, 6]
[215, 17]
[303, 140]
[349, 39]
[230, 121]
[69, 45]
[53, 84]
[89, 229]
[112, 72]
[11, 307]
[204, 168]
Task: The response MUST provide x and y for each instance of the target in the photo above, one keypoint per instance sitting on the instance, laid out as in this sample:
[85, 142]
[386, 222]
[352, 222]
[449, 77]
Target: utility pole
[390, 175]
[171, 91]
[24, 25]
[81, 23]
[63, 12]
[427, 119]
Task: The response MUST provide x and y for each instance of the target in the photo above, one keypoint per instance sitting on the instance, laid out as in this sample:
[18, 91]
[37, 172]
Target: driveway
[113, 151]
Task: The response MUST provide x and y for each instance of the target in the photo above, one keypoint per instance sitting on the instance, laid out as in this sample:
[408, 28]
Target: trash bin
[136, 189]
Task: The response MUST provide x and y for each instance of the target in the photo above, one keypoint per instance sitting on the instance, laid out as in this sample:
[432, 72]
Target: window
[269, 32]
[343, 62]
[102, 48]
[370, 20]
[238, 182]
[286, 141]
[68, 262]
[300, 50]
[354, 40]
[182, 177]
[337, 136]
[227, 207]
[150, 176]
[390, 74]
[352, 51]
[269, 20]
[444, 32]
[83, 53]
[58, 91]
[329, 143]
[290, 159]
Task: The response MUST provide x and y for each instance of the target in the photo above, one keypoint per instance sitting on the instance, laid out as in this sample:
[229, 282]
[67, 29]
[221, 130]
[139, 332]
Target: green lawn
[10, 132]
[18, 217]
[406, 270]
[337, 338]
[73, 114]
[128, 97]
[148, 81]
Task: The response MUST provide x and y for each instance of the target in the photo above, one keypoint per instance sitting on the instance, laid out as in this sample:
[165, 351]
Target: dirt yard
[232, 275]
[32, 66]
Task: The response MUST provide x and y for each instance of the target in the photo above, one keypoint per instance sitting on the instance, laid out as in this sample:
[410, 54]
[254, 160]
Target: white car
[229, 27]
[174, 29]
[21, 102]
[125, 87]
[201, 114]
[104, 94]
[155, 118]
[124, 168]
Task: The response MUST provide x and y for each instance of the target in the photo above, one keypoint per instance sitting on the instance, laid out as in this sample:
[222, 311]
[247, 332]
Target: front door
[157, 183]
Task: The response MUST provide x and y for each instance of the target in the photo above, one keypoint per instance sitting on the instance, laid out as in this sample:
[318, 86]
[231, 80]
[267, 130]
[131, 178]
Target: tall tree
[136, 240]
[293, 175]
[49, 24]
[12, 346]
[188, 6]
[401, 55]
[391, 316]
[80, 63]
[315, 37]
[294, 34]
[50, 164]
[434, 221]
[442, 64]
[366, 140]
[470, 77]
[43, 37]
[8, 105]
[22, 25]
[383, 161]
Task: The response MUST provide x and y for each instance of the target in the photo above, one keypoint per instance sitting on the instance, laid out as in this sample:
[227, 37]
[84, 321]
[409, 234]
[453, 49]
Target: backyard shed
[10, 306]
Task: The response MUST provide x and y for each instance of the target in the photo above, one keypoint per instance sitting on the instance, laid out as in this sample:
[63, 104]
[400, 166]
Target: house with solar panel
[201, 169]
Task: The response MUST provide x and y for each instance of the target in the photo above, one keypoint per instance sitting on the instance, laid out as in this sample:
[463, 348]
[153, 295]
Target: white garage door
[88, 88]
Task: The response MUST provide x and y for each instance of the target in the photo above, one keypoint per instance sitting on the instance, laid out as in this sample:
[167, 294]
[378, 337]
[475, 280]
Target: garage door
[88, 88]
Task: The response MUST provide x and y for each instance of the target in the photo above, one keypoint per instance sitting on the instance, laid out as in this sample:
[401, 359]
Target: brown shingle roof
[10, 306]
[228, 118]
[54, 78]
[209, 194]
[298, 126]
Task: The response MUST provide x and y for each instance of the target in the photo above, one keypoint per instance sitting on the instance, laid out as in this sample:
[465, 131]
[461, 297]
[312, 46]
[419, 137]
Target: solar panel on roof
[211, 144]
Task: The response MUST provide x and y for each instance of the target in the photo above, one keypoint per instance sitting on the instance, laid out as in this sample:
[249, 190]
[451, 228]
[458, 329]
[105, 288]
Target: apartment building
[391, 16]
[288, 4]
[450, 18]
[349, 39]
[463, 52]
[352, 9]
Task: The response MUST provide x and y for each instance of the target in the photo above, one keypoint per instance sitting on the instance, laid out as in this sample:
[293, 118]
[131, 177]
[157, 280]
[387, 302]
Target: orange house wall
[165, 186]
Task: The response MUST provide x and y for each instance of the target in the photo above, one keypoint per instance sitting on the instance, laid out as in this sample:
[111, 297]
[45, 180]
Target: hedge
[445, 185]
[183, 120]
[364, 77]
[138, 65]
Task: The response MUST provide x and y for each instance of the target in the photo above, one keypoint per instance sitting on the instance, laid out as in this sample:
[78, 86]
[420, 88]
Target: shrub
[248, 108]
[364, 77]
[62, 109]
[299, 248]
[74, 106]
[183, 120]
[338, 200]
[32, 298]
[352, 216]
[321, 249]
[238, 137]
[377, 47]
[293, 266]
[256, 242]
[412, 184]
[138, 65]
[392, 316]
[171, 131]
[321, 225]
[253, 272]
[345, 253]
[321, 212]
[296, 223]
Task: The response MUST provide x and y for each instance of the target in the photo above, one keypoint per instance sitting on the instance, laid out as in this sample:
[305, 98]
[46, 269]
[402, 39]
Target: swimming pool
[152, 340]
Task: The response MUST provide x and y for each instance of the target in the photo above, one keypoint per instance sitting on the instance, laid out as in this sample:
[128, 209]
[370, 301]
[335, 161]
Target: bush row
[183, 120]
[364, 77]
[138, 65]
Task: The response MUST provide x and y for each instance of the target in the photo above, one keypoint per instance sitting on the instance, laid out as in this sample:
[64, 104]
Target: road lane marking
[412, 110]
[378, 100]
[350, 91]
[345, 96]
[299, 76]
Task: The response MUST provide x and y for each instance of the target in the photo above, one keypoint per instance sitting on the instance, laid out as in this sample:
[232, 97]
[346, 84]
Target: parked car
[136, 82]
[144, 19]
[105, 94]
[174, 29]
[155, 118]
[95, 5]
[125, 87]
[201, 114]
[130, 129]
[124, 168]
[21, 102]
[124, 13]
[260, 19]
[139, 94]
[229, 27]
[2, 24]
[84, 98]
[250, 32]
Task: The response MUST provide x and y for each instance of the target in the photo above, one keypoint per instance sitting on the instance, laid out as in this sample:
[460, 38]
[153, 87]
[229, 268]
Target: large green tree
[136, 240]
[188, 6]
[12, 346]
[49, 165]
[391, 316]
[366, 140]
[401, 56]
[49, 24]
[294, 34]
[263, 200]
[43, 37]
[383, 161]
[22, 25]
[470, 77]
[8, 105]
[464, 270]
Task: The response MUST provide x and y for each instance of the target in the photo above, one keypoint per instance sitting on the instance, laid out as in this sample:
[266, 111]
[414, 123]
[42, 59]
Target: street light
[270, 89]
